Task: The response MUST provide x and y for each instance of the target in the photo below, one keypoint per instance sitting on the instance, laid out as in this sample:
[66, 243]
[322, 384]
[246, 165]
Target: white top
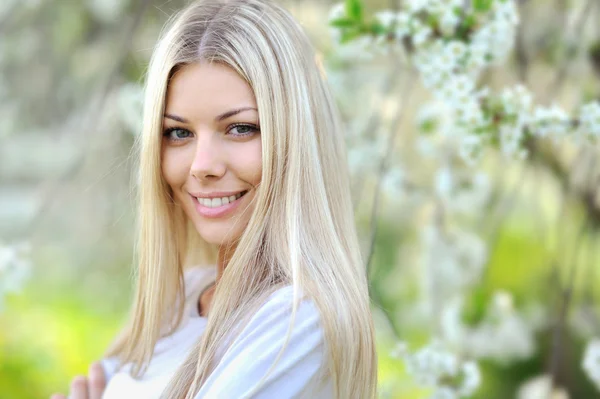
[248, 358]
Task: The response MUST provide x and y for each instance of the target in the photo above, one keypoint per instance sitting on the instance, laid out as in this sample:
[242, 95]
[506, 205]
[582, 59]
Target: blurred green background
[70, 106]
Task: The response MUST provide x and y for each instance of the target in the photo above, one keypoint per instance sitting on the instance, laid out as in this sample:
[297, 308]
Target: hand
[83, 387]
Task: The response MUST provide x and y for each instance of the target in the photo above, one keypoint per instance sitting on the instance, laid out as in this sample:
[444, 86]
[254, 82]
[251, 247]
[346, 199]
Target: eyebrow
[219, 118]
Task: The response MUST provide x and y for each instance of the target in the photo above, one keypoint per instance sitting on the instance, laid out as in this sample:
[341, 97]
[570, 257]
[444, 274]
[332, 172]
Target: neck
[205, 300]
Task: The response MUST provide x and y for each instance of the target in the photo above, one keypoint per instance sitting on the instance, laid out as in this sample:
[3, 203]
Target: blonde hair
[301, 232]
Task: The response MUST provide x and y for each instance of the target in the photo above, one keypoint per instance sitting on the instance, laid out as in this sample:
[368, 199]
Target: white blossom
[469, 112]
[550, 121]
[455, 50]
[399, 21]
[387, 18]
[540, 387]
[461, 192]
[498, 34]
[436, 367]
[517, 105]
[471, 149]
[466, 117]
[517, 101]
[511, 138]
[414, 6]
[337, 11]
[589, 120]
[403, 21]
[444, 182]
[429, 113]
[360, 48]
[471, 378]
[591, 361]
[452, 260]
[458, 89]
[503, 335]
[426, 147]
[507, 12]
[430, 364]
[421, 33]
[448, 21]
[476, 58]
[15, 267]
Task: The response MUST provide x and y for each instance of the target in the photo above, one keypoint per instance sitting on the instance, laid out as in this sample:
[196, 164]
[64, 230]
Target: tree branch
[384, 166]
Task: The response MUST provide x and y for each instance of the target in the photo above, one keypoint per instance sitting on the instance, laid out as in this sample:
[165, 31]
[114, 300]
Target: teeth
[217, 202]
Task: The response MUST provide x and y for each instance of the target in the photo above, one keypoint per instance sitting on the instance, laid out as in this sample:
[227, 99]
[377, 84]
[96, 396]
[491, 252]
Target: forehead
[201, 89]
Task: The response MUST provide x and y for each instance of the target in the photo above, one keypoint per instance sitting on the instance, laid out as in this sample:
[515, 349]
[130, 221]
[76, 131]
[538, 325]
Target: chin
[218, 235]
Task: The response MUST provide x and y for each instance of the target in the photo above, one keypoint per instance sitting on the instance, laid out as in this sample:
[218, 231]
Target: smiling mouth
[218, 202]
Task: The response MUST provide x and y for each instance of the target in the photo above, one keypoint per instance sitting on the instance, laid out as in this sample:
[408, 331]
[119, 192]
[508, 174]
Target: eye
[176, 134]
[242, 130]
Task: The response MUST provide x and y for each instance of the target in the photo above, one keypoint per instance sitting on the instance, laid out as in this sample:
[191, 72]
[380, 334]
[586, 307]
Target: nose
[208, 163]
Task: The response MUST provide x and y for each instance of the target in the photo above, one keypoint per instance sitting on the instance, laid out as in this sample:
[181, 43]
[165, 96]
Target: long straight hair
[301, 231]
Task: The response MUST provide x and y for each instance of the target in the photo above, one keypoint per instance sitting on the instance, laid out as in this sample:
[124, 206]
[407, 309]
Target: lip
[217, 194]
[220, 211]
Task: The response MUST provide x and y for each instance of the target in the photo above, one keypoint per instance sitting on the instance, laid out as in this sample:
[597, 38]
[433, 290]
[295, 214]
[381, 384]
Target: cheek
[245, 161]
[166, 169]
[172, 169]
[255, 165]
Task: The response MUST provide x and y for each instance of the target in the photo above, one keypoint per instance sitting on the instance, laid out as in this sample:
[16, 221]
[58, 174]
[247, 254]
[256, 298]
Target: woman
[242, 155]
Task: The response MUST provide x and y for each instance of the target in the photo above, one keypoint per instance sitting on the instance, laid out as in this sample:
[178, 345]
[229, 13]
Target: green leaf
[464, 29]
[469, 21]
[349, 36]
[342, 23]
[475, 307]
[482, 5]
[377, 28]
[429, 126]
[354, 9]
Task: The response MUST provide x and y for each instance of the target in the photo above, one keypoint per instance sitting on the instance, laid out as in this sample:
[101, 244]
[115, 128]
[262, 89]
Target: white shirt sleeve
[253, 352]
[195, 280]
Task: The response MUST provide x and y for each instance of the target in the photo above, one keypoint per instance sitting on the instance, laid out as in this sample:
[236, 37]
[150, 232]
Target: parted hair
[301, 231]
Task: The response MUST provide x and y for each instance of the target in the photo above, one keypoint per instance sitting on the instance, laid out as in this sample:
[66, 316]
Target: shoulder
[287, 350]
[283, 298]
[278, 308]
[276, 317]
[195, 279]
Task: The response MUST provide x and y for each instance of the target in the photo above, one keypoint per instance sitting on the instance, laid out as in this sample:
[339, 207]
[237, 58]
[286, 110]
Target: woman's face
[211, 149]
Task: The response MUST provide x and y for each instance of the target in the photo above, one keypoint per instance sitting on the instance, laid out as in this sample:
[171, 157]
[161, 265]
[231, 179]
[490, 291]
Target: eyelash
[253, 129]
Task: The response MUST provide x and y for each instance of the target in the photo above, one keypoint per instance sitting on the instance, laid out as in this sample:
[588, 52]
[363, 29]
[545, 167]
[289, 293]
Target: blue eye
[242, 130]
[169, 136]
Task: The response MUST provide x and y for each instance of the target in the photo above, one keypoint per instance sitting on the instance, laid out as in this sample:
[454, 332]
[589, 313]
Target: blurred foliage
[70, 75]
[54, 333]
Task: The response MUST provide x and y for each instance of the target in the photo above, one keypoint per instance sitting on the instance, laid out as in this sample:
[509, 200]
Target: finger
[79, 388]
[97, 381]
[58, 396]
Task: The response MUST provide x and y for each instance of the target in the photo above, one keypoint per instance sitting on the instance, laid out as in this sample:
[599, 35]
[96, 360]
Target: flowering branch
[451, 43]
